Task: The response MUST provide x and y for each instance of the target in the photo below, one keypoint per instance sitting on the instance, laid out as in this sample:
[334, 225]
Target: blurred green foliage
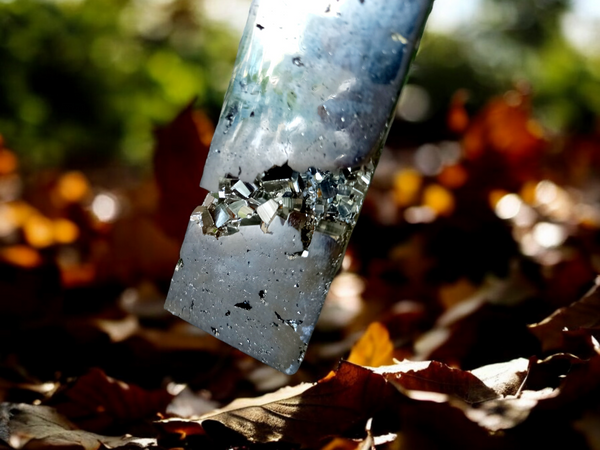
[86, 81]
[508, 42]
[83, 82]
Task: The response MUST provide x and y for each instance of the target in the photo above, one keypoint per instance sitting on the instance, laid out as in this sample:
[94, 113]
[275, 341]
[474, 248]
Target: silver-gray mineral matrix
[308, 108]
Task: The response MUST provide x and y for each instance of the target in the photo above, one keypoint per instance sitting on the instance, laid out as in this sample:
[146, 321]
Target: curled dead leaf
[555, 331]
[433, 376]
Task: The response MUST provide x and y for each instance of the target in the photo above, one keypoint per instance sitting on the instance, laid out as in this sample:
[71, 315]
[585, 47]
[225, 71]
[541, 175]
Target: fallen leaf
[307, 413]
[433, 376]
[475, 333]
[552, 387]
[128, 257]
[581, 315]
[41, 427]
[505, 378]
[374, 348]
[181, 151]
[505, 413]
[97, 402]
[190, 404]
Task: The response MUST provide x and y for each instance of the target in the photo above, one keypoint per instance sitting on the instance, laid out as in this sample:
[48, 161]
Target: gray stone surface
[315, 84]
[247, 289]
[314, 88]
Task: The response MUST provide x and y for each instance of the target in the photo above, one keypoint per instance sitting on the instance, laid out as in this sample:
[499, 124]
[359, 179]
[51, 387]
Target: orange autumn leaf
[374, 348]
[507, 135]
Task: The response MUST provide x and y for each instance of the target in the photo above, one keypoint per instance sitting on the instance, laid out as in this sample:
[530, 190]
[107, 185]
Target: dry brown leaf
[506, 127]
[554, 385]
[433, 376]
[489, 396]
[577, 379]
[307, 413]
[181, 150]
[581, 315]
[129, 258]
[505, 378]
[505, 413]
[374, 348]
[96, 402]
[41, 427]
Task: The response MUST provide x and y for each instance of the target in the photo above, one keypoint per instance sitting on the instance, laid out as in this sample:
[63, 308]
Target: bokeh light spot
[39, 231]
[439, 199]
[508, 206]
[73, 186]
[65, 231]
[548, 234]
[105, 207]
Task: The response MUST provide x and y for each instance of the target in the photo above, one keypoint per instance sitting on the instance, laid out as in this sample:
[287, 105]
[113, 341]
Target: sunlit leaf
[306, 413]
[433, 376]
[374, 348]
[41, 427]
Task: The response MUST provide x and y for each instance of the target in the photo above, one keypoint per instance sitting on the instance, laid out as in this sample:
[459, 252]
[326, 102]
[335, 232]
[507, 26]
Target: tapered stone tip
[248, 290]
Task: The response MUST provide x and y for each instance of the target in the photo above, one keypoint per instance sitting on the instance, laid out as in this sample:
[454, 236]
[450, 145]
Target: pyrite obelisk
[307, 111]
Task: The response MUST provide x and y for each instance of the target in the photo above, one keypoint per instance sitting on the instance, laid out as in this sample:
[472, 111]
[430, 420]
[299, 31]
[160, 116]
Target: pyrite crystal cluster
[306, 114]
[314, 200]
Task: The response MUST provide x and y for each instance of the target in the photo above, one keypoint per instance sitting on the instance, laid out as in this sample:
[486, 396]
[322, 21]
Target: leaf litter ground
[455, 321]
